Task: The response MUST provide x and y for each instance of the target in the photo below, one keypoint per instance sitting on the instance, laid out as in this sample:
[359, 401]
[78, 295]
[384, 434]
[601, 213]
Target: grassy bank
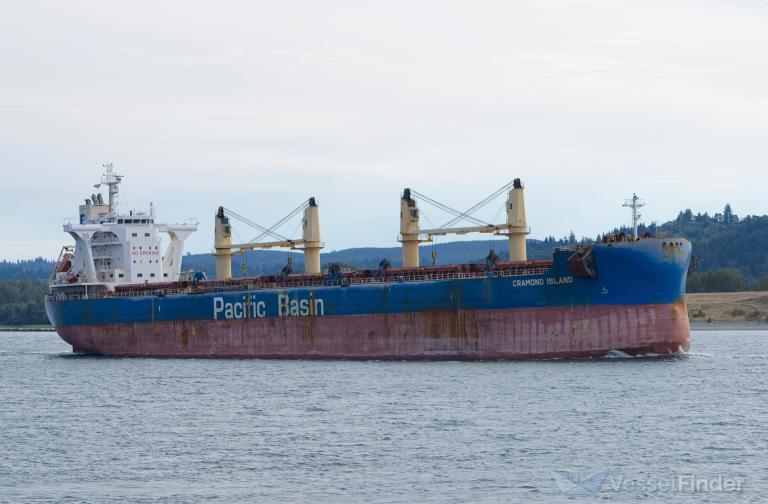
[749, 307]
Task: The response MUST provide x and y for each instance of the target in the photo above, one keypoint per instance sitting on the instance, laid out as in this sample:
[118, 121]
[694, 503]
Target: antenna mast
[635, 204]
[112, 180]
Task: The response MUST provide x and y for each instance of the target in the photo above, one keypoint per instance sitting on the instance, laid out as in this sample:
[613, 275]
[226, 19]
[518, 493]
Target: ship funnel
[222, 243]
[409, 229]
[518, 227]
[311, 237]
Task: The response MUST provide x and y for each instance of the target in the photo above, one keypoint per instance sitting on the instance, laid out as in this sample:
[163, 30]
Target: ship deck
[353, 277]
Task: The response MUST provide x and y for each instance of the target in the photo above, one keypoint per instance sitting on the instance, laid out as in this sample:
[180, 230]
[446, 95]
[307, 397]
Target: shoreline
[728, 310]
[728, 325]
[26, 329]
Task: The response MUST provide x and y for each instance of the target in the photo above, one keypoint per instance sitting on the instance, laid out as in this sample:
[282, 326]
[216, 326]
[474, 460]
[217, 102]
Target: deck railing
[245, 285]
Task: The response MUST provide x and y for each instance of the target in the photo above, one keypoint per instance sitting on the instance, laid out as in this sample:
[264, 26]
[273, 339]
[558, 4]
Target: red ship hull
[498, 334]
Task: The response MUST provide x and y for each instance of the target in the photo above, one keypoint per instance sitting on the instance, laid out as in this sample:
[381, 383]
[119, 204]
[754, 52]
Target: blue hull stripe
[628, 273]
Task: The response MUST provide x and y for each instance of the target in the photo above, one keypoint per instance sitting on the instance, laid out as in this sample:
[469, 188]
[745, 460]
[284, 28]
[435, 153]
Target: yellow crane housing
[516, 228]
[310, 242]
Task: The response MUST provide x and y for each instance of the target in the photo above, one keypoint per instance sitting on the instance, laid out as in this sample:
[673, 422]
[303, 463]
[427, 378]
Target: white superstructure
[113, 248]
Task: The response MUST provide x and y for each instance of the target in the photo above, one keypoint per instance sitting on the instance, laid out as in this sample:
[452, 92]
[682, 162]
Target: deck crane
[411, 235]
[309, 243]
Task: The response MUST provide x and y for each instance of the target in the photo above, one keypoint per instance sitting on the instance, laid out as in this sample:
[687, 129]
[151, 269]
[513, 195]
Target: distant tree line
[22, 302]
[726, 217]
[26, 269]
[726, 243]
[725, 280]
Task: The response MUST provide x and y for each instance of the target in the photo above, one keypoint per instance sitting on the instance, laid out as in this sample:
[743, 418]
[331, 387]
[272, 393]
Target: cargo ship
[116, 293]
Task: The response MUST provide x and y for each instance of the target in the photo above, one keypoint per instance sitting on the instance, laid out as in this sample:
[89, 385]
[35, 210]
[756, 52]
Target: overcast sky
[259, 105]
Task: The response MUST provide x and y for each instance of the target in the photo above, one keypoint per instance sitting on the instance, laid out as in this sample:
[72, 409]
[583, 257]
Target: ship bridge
[113, 247]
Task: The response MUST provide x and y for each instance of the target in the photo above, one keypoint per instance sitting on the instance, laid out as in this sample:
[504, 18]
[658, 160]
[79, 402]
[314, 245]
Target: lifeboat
[65, 264]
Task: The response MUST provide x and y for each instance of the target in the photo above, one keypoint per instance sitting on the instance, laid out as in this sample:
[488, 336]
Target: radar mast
[111, 180]
[635, 204]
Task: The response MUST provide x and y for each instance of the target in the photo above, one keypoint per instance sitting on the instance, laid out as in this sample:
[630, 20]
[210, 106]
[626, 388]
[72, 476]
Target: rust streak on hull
[499, 334]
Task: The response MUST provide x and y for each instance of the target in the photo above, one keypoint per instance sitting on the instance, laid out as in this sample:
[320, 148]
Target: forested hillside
[27, 269]
[731, 252]
[741, 244]
[21, 302]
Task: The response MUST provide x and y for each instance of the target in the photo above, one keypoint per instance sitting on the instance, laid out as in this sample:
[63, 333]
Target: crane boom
[309, 243]
[411, 235]
[290, 244]
[489, 228]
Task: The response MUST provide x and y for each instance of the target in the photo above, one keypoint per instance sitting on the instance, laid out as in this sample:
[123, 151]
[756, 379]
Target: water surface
[90, 429]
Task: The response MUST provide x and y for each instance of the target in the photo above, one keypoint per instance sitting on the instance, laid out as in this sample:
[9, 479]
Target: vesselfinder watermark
[581, 483]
